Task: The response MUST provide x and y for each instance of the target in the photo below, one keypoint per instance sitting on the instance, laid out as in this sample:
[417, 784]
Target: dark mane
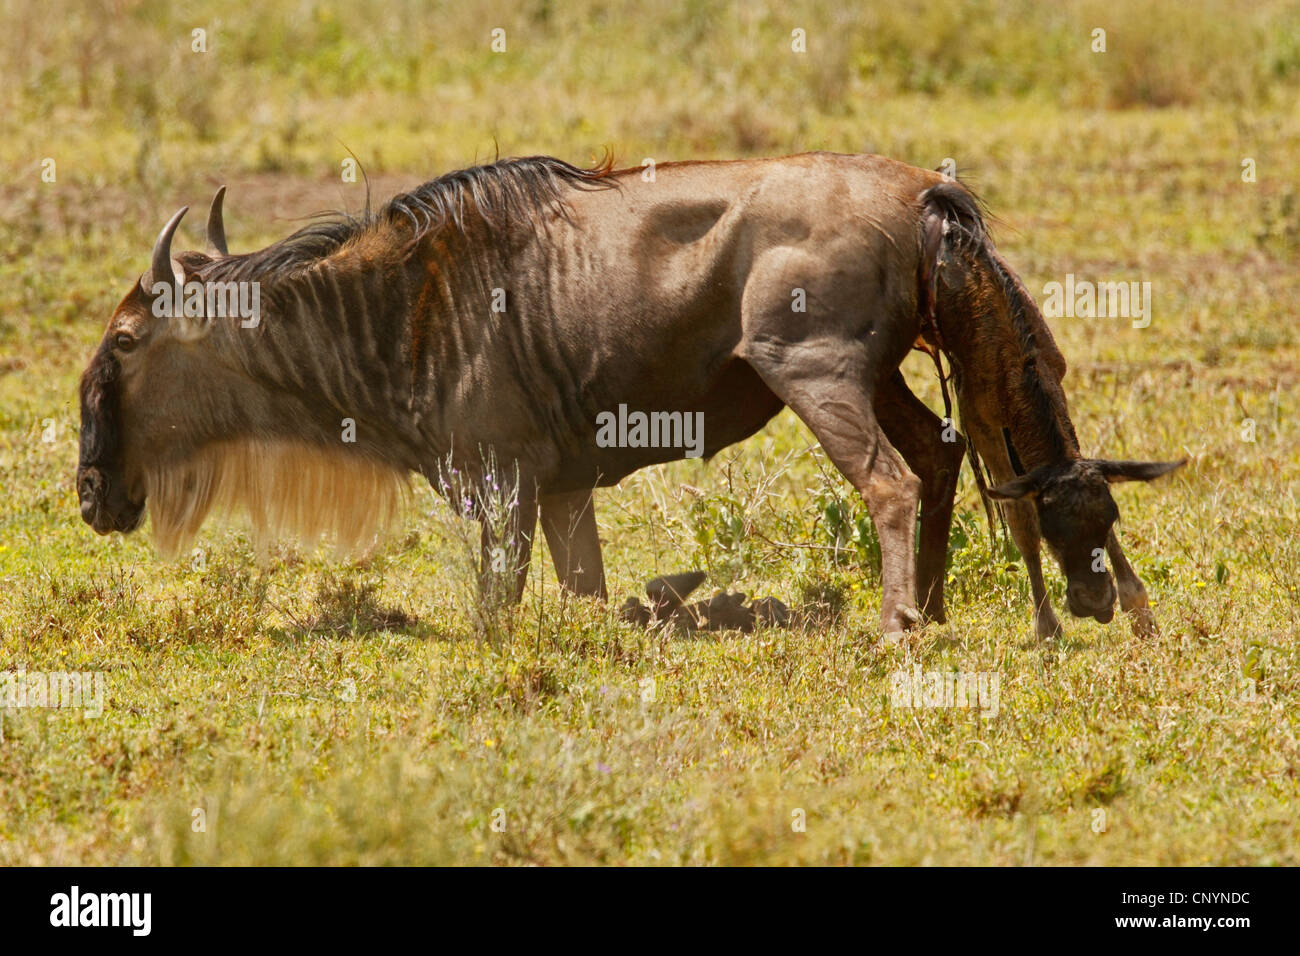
[498, 193]
[1047, 406]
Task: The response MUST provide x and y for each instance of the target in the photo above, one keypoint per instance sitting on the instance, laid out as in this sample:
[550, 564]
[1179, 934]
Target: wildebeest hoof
[903, 619]
[1144, 623]
[1048, 627]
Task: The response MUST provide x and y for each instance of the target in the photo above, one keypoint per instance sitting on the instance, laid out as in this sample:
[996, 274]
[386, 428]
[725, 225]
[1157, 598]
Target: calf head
[1075, 515]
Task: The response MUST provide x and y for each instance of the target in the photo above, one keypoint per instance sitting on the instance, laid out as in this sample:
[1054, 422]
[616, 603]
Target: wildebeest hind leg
[569, 523]
[919, 435]
[833, 394]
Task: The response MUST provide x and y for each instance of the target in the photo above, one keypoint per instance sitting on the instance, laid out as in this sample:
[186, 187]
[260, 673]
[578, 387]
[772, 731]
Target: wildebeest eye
[124, 342]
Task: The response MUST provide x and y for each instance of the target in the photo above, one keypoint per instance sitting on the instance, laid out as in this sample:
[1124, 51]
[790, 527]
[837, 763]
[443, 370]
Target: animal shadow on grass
[344, 607]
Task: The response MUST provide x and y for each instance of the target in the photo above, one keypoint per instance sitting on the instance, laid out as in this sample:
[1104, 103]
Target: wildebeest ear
[1023, 487]
[1137, 470]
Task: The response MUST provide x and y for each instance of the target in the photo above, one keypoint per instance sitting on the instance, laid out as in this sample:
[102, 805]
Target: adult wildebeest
[506, 308]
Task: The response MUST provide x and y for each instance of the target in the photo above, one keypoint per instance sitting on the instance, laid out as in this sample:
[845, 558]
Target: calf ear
[1137, 470]
[1023, 487]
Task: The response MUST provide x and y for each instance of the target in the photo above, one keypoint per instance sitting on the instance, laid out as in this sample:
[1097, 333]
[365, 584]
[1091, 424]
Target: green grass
[326, 713]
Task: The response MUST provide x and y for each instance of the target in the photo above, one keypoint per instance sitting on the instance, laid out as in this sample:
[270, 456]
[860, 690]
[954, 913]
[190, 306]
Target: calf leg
[1132, 593]
[1023, 522]
[569, 523]
[920, 436]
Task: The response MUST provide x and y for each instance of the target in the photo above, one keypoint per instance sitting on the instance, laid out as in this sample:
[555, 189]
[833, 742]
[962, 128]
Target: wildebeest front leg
[506, 549]
[569, 523]
[1132, 593]
[920, 436]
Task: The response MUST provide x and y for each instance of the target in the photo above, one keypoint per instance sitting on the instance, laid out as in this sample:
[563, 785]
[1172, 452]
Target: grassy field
[292, 709]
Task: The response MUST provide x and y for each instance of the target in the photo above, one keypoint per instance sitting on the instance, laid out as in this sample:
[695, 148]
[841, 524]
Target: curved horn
[161, 269]
[216, 225]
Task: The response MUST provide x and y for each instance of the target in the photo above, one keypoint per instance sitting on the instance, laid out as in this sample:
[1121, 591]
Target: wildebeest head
[1076, 513]
[138, 348]
[176, 409]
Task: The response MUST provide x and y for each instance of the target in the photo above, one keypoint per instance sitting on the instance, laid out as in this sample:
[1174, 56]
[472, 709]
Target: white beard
[287, 489]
